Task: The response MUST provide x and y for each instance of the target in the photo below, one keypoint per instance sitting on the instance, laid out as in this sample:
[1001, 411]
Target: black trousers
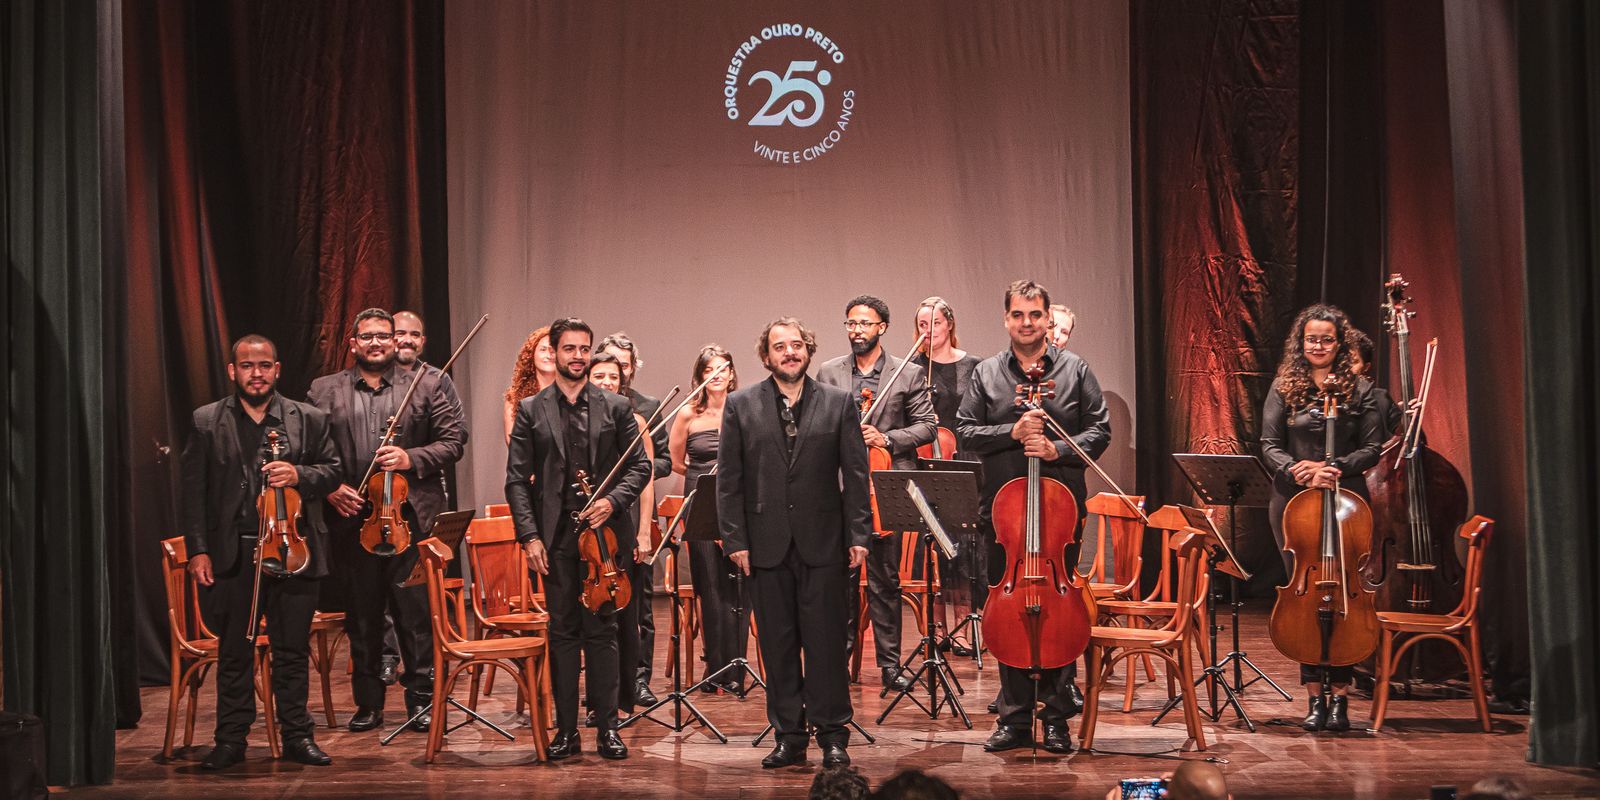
[724, 634]
[628, 645]
[372, 588]
[1015, 704]
[289, 604]
[644, 594]
[575, 629]
[883, 600]
[799, 611]
[1309, 673]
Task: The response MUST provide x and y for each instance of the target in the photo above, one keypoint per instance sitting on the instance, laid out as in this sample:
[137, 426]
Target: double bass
[1038, 616]
[1325, 614]
[1418, 500]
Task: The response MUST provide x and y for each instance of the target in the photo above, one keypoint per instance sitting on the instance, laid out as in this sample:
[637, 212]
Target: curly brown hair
[702, 366]
[1294, 372]
[525, 375]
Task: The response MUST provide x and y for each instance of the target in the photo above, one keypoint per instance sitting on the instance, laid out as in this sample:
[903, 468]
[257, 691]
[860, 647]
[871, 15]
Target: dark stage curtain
[285, 170]
[1558, 53]
[59, 297]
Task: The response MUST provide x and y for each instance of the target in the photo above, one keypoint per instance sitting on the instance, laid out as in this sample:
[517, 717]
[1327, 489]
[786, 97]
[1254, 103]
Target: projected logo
[783, 86]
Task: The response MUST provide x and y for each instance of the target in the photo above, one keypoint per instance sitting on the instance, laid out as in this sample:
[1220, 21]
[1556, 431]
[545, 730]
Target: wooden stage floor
[1425, 743]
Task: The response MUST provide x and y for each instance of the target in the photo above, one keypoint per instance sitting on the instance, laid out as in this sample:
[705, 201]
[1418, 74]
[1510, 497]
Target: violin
[1038, 616]
[603, 583]
[386, 532]
[877, 458]
[280, 547]
[1325, 614]
[1418, 500]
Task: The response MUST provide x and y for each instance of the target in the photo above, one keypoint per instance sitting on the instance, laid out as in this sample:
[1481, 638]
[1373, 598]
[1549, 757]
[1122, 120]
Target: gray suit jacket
[815, 499]
[216, 478]
[539, 448]
[904, 415]
[431, 431]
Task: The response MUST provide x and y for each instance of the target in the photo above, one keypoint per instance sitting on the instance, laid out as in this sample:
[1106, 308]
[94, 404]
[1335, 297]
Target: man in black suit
[226, 466]
[636, 678]
[991, 426]
[794, 514]
[430, 436]
[573, 425]
[902, 420]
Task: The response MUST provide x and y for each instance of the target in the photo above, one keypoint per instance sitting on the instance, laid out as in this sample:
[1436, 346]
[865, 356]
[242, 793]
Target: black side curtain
[1559, 84]
[61, 310]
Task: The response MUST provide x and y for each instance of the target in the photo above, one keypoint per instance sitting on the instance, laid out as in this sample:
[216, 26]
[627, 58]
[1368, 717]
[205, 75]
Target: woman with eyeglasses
[693, 440]
[535, 369]
[1316, 362]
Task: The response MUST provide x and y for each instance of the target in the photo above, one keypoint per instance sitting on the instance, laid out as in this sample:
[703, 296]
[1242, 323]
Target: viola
[1418, 501]
[281, 548]
[1038, 616]
[877, 458]
[385, 532]
[603, 583]
[1325, 614]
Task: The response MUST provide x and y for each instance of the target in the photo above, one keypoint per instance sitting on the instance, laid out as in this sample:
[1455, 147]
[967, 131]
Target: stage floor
[1424, 743]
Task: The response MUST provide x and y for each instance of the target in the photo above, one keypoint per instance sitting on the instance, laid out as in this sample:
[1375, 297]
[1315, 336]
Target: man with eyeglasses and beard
[226, 466]
[430, 435]
[794, 515]
[902, 420]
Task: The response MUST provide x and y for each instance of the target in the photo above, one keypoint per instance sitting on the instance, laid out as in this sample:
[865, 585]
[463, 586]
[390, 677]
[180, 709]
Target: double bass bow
[386, 532]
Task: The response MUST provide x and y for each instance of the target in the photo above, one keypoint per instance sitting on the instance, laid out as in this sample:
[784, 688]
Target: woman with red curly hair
[535, 369]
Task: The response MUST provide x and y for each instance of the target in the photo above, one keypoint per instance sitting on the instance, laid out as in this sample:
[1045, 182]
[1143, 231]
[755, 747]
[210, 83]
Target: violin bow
[726, 365]
[405, 401]
[667, 538]
[626, 451]
[1055, 427]
[883, 391]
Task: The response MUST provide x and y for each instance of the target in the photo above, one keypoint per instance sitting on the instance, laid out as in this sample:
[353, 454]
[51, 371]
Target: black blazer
[1302, 436]
[905, 413]
[216, 478]
[538, 448]
[817, 499]
[431, 431]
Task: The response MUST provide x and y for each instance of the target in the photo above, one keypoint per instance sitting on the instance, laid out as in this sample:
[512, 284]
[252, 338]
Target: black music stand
[914, 501]
[449, 528]
[977, 583]
[700, 525]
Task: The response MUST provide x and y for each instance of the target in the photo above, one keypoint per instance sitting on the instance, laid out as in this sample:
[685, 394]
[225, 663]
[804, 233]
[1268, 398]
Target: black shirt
[373, 409]
[575, 432]
[254, 453]
[861, 382]
[1301, 436]
[789, 420]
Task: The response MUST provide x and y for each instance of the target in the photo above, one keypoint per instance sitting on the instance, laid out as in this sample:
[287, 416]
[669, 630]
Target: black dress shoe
[895, 679]
[422, 722]
[609, 745]
[305, 751]
[1316, 715]
[366, 719]
[565, 745]
[834, 755]
[1057, 738]
[1338, 714]
[784, 755]
[1075, 696]
[224, 755]
[962, 649]
[643, 696]
[388, 670]
[1005, 738]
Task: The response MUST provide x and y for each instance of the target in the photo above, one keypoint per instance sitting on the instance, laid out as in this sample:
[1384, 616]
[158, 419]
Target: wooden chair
[497, 510]
[863, 620]
[503, 601]
[1119, 556]
[914, 589]
[327, 630]
[1171, 643]
[191, 641]
[683, 600]
[522, 656]
[1459, 628]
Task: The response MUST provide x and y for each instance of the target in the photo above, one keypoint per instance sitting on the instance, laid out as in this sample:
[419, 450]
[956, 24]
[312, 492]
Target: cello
[1325, 615]
[1038, 616]
[1418, 501]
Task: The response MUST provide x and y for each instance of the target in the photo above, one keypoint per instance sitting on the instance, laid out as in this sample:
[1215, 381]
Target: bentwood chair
[497, 510]
[684, 604]
[503, 601]
[327, 630]
[1459, 628]
[522, 656]
[193, 650]
[1119, 554]
[1172, 643]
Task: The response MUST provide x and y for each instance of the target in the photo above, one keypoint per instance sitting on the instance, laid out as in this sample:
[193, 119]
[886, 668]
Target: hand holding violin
[874, 437]
[393, 459]
[280, 474]
[597, 513]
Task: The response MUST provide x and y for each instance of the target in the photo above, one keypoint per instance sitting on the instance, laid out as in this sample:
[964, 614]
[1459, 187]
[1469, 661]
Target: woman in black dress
[1316, 361]
[692, 441]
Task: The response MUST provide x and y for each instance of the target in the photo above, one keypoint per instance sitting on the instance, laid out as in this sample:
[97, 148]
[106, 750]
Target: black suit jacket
[816, 499]
[216, 478]
[904, 414]
[431, 431]
[538, 448]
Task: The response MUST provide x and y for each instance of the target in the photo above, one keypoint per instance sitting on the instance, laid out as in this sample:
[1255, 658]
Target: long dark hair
[1294, 372]
[702, 365]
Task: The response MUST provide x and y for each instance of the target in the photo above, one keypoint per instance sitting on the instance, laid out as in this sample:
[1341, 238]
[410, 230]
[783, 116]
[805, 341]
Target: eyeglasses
[369, 338]
[1321, 341]
[787, 415]
[859, 325]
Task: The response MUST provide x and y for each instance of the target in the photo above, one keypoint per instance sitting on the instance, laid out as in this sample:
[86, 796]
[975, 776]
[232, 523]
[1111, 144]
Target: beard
[406, 356]
[862, 347]
[375, 364]
[253, 397]
[791, 371]
[571, 376]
